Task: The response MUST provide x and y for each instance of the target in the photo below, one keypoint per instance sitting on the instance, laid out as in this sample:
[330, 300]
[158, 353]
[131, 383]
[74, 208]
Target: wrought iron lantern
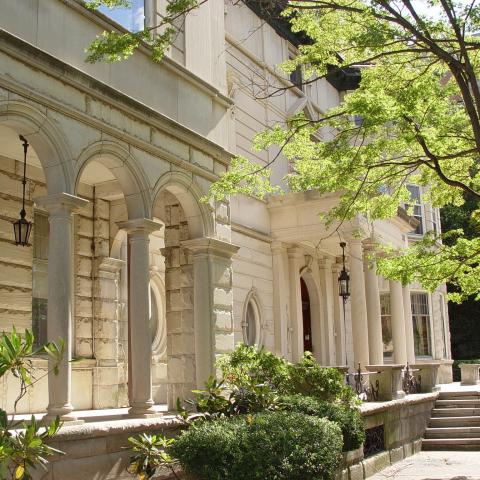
[22, 227]
[344, 278]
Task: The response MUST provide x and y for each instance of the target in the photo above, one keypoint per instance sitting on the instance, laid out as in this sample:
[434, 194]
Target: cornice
[40, 60]
[107, 23]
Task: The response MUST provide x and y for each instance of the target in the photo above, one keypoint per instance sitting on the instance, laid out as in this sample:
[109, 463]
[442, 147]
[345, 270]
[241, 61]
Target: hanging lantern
[22, 227]
[343, 278]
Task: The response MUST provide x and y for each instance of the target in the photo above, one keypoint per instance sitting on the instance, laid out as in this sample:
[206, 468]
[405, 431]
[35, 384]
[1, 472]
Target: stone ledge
[116, 427]
[370, 408]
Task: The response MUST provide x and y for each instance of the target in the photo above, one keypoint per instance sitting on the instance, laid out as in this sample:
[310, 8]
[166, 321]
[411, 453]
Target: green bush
[307, 377]
[247, 366]
[348, 418]
[278, 445]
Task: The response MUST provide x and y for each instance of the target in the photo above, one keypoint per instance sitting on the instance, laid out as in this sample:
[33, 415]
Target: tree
[414, 118]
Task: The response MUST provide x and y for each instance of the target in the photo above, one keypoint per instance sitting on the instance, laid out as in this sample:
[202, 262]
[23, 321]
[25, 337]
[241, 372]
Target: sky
[131, 18]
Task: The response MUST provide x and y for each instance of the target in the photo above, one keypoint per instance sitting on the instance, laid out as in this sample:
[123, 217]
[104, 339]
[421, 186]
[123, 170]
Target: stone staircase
[455, 422]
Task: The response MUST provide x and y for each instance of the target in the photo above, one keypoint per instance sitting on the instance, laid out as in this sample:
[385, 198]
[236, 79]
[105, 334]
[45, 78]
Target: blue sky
[131, 18]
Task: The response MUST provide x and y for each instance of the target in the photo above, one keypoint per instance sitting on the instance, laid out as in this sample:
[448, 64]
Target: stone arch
[318, 330]
[46, 139]
[125, 169]
[188, 193]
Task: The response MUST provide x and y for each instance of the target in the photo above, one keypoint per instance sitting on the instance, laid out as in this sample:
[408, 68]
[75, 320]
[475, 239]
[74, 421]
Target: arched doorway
[307, 317]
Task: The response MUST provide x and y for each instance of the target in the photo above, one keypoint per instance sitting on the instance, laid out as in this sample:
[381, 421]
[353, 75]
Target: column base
[143, 411]
[66, 416]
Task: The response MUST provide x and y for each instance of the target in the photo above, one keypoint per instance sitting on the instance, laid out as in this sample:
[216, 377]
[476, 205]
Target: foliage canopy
[415, 118]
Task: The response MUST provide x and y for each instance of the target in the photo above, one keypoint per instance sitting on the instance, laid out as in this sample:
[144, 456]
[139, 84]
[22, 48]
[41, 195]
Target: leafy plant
[22, 444]
[150, 454]
[247, 366]
[278, 445]
[347, 418]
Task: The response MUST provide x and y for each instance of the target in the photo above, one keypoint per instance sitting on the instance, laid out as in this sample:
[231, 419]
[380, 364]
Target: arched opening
[314, 334]
[307, 317]
[23, 272]
[107, 177]
[176, 206]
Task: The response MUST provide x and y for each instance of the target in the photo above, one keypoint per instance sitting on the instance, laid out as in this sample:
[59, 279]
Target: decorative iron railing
[411, 383]
[364, 388]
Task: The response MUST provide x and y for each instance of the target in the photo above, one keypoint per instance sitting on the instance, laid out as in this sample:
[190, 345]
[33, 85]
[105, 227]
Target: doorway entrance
[307, 317]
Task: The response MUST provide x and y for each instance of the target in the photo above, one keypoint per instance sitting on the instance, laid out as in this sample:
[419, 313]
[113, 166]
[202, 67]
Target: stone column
[375, 341]
[359, 304]
[407, 310]
[398, 323]
[339, 321]
[60, 208]
[139, 229]
[213, 302]
[326, 285]
[280, 295]
[295, 257]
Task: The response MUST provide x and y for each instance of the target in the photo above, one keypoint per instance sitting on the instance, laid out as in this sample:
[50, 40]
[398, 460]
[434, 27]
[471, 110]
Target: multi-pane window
[415, 198]
[386, 315]
[421, 324]
[132, 17]
[39, 277]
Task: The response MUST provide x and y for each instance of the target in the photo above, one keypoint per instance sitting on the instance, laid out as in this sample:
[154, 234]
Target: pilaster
[213, 302]
[280, 298]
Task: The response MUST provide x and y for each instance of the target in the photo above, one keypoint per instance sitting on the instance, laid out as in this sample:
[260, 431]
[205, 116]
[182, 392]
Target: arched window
[251, 324]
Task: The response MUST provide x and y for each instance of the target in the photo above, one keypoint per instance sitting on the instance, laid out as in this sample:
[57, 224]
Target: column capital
[294, 251]
[109, 264]
[210, 246]
[369, 244]
[140, 225]
[325, 263]
[61, 203]
[337, 266]
[277, 246]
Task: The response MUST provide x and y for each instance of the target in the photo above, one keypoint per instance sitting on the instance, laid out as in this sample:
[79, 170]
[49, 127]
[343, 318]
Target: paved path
[434, 466]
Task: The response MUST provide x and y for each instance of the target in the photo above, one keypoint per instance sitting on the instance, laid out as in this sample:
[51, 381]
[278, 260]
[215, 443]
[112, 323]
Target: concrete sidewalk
[434, 466]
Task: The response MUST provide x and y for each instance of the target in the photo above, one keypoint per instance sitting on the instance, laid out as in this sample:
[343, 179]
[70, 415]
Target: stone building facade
[146, 283]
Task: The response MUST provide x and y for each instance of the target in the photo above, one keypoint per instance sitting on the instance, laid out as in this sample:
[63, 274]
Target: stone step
[438, 422]
[467, 394]
[455, 412]
[451, 444]
[458, 403]
[453, 432]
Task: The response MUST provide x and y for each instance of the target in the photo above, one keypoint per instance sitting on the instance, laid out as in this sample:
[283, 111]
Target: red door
[307, 321]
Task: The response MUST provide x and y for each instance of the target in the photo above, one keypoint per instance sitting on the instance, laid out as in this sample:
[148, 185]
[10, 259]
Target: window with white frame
[416, 204]
[132, 17]
[386, 316]
[421, 324]
[251, 322]
[41, 231]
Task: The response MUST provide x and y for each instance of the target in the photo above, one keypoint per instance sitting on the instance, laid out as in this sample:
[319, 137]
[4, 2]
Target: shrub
[309, 378]
[348, 418]
[247, 366]
[278, 445]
